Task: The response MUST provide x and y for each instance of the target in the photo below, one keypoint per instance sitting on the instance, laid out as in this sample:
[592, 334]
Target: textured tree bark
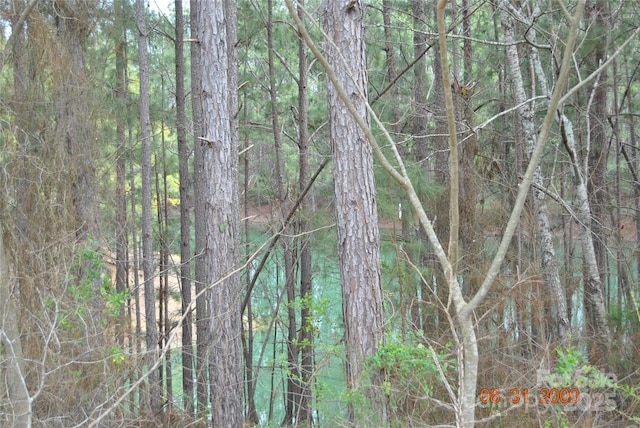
[14, 375]
[421, 114]
[594, 294]
[72, 114]
[199, 188]
[598, 153]
[121, 195]
[525, 115]
[219, 170]
[304, 414]
[355, 203]
[151, 332]
[185, 222]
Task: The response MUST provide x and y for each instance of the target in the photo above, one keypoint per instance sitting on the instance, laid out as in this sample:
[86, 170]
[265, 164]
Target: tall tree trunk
[471, 230]
[122, 235]
[185, 221]
[151, 331]
[135, 250]
[594, 295]
[304, 415]
[72, 116]
[525, 116]
[248, 335]
[199, 188]
[355, 204]
[217, 38]
[396, 119]
[598, 147]
[421, 114]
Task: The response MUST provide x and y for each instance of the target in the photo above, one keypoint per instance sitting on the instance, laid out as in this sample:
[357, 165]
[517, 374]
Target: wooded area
[320, 213]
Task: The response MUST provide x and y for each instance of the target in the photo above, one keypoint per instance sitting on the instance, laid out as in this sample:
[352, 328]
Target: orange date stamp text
[542, 396]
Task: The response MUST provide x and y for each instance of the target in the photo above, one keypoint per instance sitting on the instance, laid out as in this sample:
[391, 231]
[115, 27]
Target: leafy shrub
[411, 376]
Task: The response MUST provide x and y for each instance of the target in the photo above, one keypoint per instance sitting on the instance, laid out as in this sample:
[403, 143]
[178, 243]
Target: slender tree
[288, 244]
[199, 188]
[598, 154]
[151, 328]
[121, 196]
[304, 413]
[185, 209]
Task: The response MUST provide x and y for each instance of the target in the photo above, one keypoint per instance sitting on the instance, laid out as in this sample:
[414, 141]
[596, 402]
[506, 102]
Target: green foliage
[572, 370]
[569, 360]
[89, 268]
[115, 301]
[116, 355]
[597, 390]
[412, 372]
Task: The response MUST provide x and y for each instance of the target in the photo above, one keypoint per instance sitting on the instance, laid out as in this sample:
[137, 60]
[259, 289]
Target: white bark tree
[526, 117]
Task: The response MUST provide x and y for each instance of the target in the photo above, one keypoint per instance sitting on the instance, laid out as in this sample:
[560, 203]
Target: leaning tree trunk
[219, 173]
[356, 212]
[594, 293]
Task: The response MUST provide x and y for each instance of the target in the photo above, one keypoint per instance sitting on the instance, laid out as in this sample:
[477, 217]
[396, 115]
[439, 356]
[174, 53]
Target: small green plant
[114, 300]
[116, 355]
[572, 370]
[411, 374]
[89, 271]
[596, 390]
